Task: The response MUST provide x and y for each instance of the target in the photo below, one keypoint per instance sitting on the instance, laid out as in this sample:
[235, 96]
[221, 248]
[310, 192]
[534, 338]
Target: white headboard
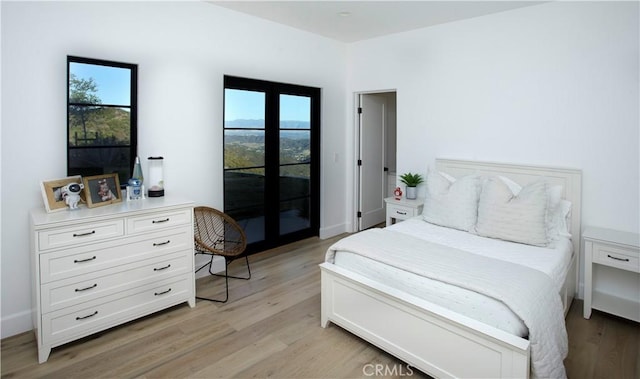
[570, 179]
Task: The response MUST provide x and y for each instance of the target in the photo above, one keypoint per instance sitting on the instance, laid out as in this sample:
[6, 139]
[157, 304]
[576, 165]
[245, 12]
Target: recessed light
[344, 14]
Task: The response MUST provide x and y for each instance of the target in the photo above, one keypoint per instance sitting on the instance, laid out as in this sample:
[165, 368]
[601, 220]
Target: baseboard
[16, 323]
[334, 230]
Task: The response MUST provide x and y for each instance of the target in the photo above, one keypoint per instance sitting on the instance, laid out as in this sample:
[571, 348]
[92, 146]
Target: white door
[371, 164]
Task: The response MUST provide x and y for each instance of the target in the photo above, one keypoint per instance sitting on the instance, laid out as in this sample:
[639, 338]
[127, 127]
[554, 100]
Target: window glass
[101, 117]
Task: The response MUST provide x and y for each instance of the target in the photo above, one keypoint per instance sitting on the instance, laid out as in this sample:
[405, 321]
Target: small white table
[612, 272]
[402, 209]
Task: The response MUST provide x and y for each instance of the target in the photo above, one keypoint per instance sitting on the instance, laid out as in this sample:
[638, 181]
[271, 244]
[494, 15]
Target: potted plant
[412, 181]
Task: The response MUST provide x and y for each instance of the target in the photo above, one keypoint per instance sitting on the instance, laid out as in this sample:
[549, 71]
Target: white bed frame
[431, 338]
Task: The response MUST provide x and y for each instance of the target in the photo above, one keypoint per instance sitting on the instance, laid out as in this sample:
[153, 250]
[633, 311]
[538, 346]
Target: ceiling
[351, 21]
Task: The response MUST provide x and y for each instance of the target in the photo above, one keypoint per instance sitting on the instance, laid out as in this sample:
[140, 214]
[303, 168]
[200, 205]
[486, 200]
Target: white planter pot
[412, 193]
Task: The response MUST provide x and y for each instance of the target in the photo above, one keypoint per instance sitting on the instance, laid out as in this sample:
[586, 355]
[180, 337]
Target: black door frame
[272, 92]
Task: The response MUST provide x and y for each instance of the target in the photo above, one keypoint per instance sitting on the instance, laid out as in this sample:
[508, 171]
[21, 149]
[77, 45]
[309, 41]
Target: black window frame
[133, 107]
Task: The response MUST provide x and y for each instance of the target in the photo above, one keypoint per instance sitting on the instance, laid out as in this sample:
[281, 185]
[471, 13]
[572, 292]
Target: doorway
[376, 155]
[271, 160]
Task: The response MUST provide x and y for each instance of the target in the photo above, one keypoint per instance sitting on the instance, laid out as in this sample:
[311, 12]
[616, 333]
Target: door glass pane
[243, 148]
[294, 215]
[295, 146]
[244, 200]
[295, 155]
[244, 160]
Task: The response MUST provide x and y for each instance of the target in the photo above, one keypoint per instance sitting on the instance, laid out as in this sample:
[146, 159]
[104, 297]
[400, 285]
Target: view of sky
[249, 105]
[114, 83]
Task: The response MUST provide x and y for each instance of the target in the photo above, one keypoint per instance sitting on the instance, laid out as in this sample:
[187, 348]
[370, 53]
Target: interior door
[371, 163]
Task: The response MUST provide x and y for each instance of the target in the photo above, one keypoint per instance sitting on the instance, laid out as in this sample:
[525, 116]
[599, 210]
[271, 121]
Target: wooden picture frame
[102, 190]
[51, 194]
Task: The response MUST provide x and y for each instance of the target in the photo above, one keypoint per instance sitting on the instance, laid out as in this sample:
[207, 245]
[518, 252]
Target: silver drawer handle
[618, 259]
[162, 243]
[84, 234]
[84, 260]
[160, 221]
[401, 213]
[162, 268]
[87, 288]
[162, 293]
[87, 316]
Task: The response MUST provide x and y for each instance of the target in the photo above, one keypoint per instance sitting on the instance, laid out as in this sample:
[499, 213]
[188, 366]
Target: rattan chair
[216, 233]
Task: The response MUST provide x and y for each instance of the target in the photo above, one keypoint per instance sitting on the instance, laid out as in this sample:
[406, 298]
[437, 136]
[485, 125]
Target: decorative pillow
[558, 215]
[519, 218]
[451, 202]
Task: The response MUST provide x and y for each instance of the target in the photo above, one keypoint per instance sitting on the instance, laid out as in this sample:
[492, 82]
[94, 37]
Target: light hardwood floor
[271, 328]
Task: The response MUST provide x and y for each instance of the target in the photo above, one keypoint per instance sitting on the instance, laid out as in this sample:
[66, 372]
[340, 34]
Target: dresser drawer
[157, 221]
[69, 292]
[101, 256]
[70, 323]
[79, 235]
[616, 257]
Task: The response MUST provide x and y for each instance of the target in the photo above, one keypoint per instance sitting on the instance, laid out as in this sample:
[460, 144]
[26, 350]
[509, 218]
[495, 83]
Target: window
[271, 160]
[101, 117]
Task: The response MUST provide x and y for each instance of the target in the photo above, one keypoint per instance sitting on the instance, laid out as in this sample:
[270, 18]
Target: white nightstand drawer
[73, 262]
[66, 293]
[615, 257]
[157, 221]
[79, 235]
[400, 212]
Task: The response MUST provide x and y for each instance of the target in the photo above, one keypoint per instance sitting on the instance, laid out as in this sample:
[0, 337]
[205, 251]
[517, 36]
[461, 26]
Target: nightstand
[612, 272]
[402, 209]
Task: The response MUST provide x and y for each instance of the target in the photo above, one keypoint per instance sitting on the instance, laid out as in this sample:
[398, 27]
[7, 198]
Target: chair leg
[226, 278]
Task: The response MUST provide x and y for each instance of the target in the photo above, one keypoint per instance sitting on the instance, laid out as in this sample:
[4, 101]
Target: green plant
[411, 180]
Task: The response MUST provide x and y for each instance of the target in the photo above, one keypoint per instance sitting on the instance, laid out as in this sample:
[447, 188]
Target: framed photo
[102, 190]
[52, 192]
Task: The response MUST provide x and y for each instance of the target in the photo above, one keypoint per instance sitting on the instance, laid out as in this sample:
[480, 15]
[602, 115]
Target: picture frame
[52, 195]
[102, 190]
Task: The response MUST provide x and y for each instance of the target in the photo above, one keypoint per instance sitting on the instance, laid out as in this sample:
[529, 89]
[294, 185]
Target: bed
[410, 317]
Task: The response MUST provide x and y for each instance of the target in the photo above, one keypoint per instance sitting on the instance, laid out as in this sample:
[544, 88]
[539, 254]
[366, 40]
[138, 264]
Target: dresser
[402, 209]
[612, 272]
[97, 268]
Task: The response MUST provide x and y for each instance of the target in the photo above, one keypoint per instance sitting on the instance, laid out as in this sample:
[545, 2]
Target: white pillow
[558, 215]
[519, 218]
[451, 202]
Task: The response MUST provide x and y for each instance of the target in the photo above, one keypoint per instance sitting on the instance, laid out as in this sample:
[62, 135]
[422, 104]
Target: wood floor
[271, 328]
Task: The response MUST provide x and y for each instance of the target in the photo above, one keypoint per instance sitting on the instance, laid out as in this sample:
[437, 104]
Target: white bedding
[553, 262]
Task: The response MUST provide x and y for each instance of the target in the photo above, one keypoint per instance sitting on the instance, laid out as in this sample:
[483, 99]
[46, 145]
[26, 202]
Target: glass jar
[155, 182]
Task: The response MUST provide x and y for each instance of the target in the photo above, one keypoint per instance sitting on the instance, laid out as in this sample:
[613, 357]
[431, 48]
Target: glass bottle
[137, 171]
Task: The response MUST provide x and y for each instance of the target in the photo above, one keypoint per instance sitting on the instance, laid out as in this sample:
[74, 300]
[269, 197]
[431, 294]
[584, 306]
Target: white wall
[552, 84]
[183, 50]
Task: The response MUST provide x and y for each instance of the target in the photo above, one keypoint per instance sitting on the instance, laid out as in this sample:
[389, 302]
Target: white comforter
[529, 293]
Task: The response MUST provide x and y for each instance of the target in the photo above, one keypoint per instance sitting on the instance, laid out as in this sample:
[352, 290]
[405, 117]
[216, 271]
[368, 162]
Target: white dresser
[100, 267]
[612, 272]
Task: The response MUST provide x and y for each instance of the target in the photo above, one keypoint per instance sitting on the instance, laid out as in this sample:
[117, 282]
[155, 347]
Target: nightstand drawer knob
[401, 213]
[618, 259]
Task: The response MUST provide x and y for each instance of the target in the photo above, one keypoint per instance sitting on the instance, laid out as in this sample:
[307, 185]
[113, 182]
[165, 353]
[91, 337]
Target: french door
[271, 160]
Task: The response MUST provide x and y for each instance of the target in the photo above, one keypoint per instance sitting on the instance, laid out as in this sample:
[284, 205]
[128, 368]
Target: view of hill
[99, 126]
[259, 124]
[245, 148]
